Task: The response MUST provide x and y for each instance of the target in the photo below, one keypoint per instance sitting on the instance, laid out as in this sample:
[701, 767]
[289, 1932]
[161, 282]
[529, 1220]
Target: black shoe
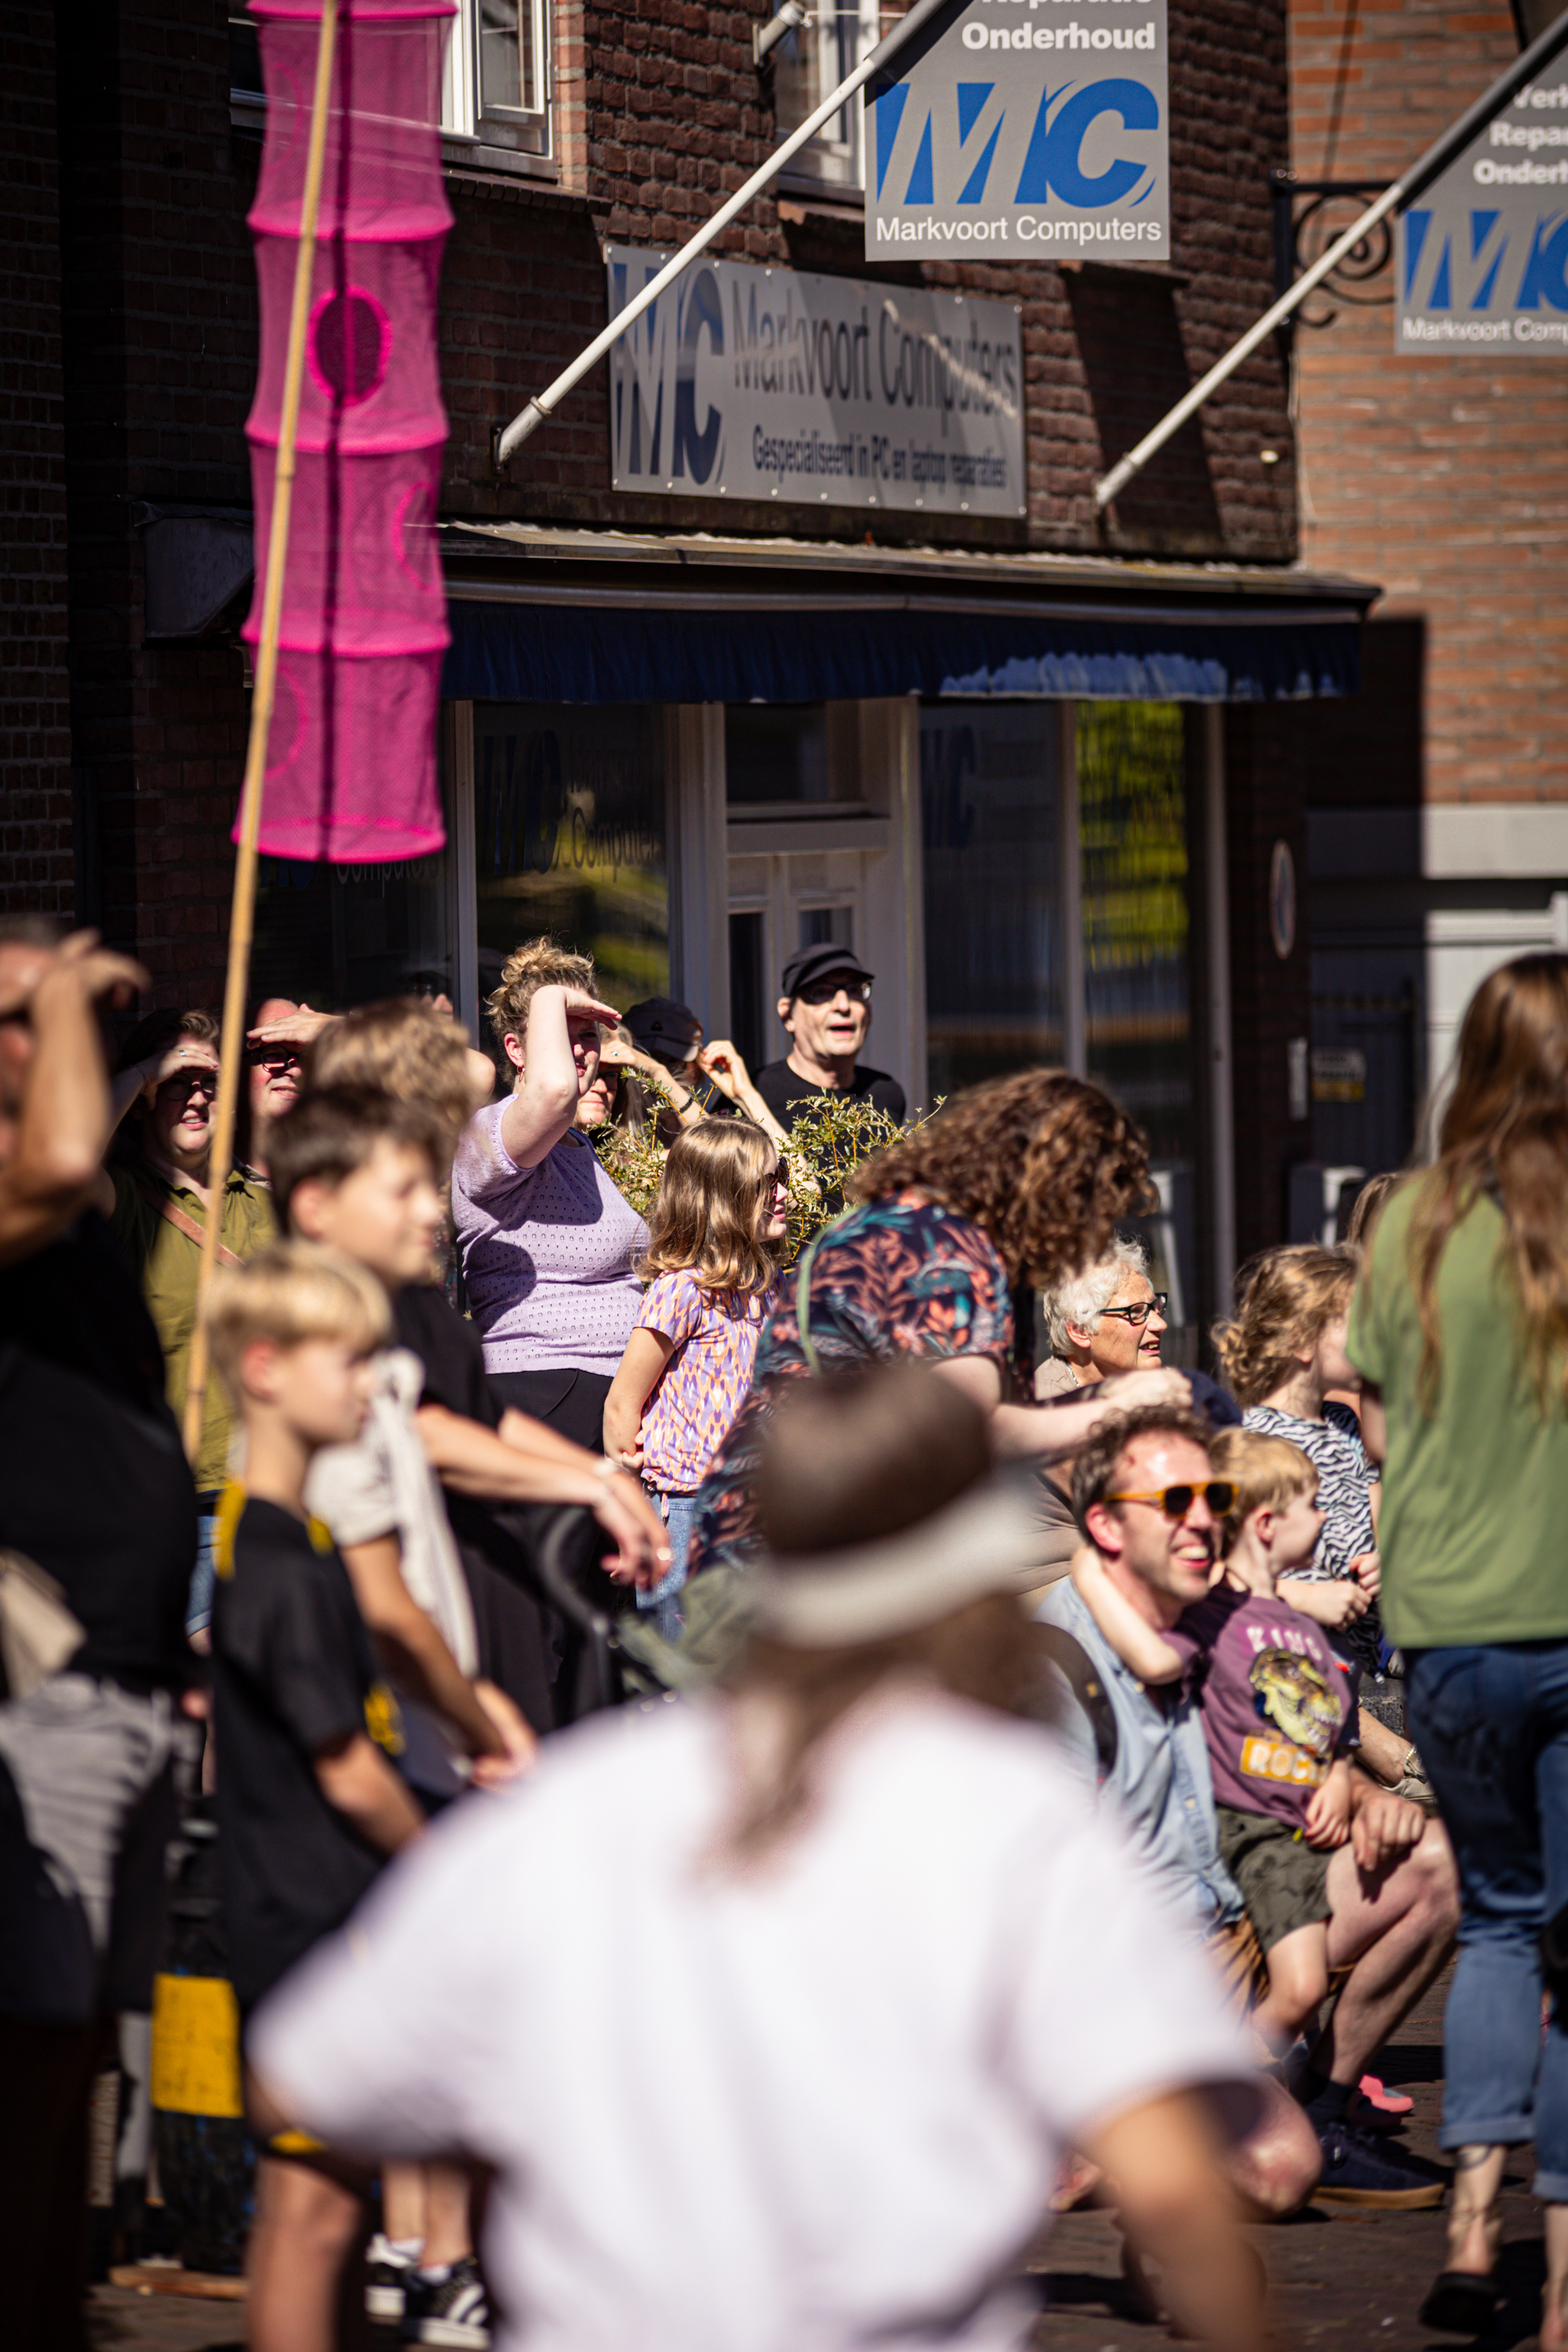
[1357, 2172]
[386, 2277]
[1460, 2303]
[451, 2311]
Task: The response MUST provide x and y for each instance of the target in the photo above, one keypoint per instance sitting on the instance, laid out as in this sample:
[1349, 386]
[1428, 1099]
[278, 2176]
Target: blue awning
[689, 649]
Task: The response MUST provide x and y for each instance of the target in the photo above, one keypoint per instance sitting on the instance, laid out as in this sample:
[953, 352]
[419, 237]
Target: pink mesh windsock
[350, 759]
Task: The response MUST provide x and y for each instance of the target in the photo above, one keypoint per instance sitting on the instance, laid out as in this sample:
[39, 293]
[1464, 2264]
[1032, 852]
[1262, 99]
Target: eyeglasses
[1219, 1494]
[186, 1083]
[1138, 1315]
[275, 1059]
[781, 1176]
[823, 992]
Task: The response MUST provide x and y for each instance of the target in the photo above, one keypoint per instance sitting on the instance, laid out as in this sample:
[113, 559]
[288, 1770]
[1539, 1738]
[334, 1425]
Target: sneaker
[1356, 2171]
[386, 2275]
[451, 2310]
[1374, 2107]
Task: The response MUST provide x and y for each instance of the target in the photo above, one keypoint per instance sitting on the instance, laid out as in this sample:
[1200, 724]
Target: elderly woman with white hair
[1107, 1320]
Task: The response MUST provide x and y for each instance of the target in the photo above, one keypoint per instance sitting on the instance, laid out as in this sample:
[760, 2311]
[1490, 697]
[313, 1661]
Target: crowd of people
[1105, 1763]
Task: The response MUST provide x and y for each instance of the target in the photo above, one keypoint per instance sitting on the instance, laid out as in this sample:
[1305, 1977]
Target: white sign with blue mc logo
[1034, 128]
[1482, 257]
[748, 383]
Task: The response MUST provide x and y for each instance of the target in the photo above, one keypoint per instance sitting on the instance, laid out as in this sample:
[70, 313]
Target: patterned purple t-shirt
[704, 1384]
[547, 1253]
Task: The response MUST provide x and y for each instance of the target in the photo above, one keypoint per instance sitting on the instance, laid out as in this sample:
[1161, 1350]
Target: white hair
[1084, 1301]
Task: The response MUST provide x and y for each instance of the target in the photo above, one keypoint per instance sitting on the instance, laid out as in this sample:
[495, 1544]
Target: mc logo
[1481, 265]
[962, 145]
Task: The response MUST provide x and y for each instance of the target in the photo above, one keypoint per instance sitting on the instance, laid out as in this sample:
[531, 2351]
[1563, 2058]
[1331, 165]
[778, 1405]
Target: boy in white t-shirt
[898, 1959]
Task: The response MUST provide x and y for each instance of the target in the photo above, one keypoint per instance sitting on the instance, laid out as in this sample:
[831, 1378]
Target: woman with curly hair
[547, 1241]
[1459, 1332]
[1015, 1187]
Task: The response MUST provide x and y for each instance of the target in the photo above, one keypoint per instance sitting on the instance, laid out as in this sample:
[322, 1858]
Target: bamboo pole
[242, 919]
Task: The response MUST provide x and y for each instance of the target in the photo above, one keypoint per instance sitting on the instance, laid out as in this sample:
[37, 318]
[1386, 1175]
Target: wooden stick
[242, 920]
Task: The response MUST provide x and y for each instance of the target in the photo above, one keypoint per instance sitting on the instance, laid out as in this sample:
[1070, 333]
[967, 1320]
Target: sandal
[1464, 2303]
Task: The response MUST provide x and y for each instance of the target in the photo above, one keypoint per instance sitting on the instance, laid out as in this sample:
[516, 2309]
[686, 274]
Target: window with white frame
[497, 82]
[811, 63]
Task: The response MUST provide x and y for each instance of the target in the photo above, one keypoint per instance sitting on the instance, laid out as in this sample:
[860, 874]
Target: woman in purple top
[548, 1243]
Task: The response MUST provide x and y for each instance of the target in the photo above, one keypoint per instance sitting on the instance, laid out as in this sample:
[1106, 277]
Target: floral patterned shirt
[902, 1277]
[704, 1384]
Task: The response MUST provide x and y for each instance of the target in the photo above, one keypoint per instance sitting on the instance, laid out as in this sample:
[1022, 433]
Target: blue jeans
[1491, 1724]
[679, 1513]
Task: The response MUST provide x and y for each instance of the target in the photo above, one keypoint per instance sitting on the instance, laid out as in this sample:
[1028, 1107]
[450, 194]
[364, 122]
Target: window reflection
[993, 890]
[811, 63]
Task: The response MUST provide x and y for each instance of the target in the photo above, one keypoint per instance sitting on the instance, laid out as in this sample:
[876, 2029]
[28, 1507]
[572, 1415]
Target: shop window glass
[570, 839]
[775, 753]
[335, 936]
[993, 890]
[749, 1010]
[1132, 784]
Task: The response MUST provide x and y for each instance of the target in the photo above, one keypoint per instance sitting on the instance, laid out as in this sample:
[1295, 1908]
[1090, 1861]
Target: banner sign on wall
[1481, 261]
[1032, 128]
[748, 383]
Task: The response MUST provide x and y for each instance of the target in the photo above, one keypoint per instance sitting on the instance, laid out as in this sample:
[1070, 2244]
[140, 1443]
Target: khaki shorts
[86, 1812]
[1281, 1877]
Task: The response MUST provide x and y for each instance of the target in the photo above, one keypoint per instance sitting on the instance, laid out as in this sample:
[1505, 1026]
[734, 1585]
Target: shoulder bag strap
[172, 1214]
[1069, 1656]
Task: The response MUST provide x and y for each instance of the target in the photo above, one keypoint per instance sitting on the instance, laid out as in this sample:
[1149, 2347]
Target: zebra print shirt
[1346, 1476]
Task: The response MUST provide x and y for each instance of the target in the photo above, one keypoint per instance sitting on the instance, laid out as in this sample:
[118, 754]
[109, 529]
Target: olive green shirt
[166, 1263]
[1474, 1528]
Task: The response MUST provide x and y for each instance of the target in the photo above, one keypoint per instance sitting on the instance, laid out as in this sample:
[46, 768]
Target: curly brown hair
[1286, 1298]
[1043, 1163]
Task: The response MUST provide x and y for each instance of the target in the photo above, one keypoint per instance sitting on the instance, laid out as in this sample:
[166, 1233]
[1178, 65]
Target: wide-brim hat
[980, 1543]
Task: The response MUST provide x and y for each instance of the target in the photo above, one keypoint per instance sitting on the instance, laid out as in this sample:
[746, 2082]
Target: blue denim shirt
[1161, 1777]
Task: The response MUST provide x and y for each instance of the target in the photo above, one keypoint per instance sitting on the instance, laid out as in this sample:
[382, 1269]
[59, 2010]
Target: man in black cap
[825, 1002]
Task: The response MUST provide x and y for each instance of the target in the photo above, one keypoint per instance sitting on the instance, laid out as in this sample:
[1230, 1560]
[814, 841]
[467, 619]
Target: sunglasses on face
[1138, 1315]
[823, 992]
[1219, 1494]
[275, 1059]
[193, 1082]
[779, 1180]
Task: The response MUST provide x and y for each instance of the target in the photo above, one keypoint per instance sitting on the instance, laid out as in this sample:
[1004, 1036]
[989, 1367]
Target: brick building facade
[1439, 814]
[127, 278]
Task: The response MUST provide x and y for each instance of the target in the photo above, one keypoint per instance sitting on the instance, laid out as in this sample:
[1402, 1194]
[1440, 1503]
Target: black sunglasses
[823, 992]
[1138, 1316]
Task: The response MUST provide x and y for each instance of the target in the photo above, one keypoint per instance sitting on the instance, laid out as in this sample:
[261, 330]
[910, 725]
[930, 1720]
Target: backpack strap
[1083, 1679]
[183, 1223]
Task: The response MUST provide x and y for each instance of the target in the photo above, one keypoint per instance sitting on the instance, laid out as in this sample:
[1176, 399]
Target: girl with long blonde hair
[714, 1251]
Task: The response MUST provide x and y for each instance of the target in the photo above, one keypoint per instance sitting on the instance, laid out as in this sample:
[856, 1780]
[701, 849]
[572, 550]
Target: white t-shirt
[809, 2104]
[383, 1485]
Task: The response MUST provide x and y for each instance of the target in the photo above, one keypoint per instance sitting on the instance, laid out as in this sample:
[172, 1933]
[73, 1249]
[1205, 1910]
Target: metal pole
[1403, 192]
[242, 920]
[529, 419]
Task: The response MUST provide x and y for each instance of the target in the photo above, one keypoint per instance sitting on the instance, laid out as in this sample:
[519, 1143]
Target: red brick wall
[663, 115]
[1445, 478]
[36, 865]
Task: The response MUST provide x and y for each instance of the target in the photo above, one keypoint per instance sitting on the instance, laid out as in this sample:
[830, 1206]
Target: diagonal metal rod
[1403, 191]
[528, 419]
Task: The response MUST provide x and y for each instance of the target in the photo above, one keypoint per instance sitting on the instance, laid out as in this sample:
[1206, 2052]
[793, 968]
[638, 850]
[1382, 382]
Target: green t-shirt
[1474, 1529]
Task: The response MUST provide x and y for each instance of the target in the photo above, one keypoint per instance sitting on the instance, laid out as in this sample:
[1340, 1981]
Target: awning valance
[830, 649]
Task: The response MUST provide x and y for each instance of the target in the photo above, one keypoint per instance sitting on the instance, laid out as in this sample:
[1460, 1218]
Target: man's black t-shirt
[782, 1091]
[292, 1674]
[94, 1485]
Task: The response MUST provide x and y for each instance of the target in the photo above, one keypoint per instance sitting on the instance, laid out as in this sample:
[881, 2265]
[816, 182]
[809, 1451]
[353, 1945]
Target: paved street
[1344, 2281]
